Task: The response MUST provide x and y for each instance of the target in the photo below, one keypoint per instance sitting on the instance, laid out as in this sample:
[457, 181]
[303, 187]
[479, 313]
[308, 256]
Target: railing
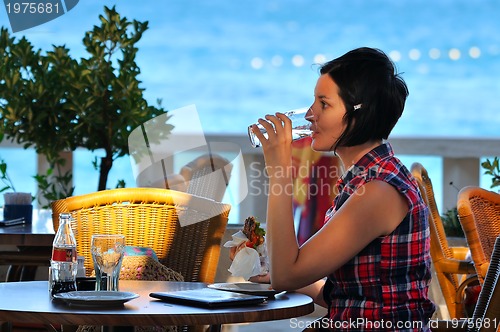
[460, 162]
[458, 158]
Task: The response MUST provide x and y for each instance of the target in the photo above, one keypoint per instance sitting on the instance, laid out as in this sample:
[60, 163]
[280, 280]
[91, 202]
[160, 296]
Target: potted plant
[4, 176]
[492, 167]
[16, 204]
[55, 103]
[451, 224]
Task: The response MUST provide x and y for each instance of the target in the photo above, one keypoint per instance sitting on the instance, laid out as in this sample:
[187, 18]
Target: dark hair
[367, 77]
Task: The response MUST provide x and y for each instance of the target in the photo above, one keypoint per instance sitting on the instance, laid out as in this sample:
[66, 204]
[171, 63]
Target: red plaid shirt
[384, 287]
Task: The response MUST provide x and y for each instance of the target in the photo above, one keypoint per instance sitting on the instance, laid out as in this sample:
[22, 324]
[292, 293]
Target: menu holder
[208, 298]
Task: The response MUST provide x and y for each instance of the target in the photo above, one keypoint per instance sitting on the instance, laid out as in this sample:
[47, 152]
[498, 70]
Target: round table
[29, 302]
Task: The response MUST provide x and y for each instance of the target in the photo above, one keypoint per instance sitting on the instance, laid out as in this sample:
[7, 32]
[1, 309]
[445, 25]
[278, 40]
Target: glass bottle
[63, 264]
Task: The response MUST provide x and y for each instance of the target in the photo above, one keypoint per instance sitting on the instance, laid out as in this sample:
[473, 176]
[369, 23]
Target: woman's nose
[309, 115]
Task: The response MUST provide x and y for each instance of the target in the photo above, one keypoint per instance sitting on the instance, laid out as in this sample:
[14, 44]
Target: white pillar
[43, 166]
[460, 172]
[255, 204]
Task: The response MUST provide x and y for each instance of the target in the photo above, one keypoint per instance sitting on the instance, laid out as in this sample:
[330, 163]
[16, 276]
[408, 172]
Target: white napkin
[246, 263]
[238, 238]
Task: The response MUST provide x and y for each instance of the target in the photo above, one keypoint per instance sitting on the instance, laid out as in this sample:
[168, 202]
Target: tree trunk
[106, 164]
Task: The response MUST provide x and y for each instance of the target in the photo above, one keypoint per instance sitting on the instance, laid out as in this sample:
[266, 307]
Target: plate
[96, 298]
[245, 288]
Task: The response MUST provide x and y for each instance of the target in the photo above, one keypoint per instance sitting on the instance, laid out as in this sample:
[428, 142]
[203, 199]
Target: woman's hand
[261, 279]
[278, 127]
[277, 146]
[234, 250]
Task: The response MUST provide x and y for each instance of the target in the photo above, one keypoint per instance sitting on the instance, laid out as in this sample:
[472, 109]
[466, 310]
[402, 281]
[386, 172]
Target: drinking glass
[301, 127]
[107, 254]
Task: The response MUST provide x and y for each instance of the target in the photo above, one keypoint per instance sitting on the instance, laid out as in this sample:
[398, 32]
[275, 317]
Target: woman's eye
[323, 105]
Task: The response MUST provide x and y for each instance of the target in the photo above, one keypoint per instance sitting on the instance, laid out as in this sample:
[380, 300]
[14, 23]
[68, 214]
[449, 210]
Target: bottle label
[64, 254]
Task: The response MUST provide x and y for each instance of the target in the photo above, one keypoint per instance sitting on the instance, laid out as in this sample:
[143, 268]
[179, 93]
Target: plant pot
[18, 205]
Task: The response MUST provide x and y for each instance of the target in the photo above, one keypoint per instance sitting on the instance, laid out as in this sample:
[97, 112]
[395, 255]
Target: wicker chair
[207, 176]
[486, 315]
[151, 217]
[449, 262]
[479, 214]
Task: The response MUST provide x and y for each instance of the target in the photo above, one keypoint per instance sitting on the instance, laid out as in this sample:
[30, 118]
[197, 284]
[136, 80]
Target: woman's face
[328, 110]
